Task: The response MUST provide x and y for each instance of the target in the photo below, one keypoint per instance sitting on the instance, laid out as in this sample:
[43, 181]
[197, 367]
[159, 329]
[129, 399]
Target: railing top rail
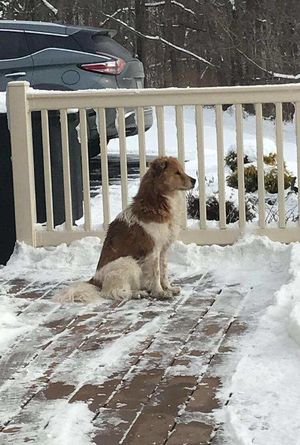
[165, 96]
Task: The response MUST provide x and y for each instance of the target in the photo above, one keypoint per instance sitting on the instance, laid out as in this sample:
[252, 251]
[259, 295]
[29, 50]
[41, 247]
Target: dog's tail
[81, 292]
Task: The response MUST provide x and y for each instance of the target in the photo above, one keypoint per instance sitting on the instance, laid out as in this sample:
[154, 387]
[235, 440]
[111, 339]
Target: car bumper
[131, 127]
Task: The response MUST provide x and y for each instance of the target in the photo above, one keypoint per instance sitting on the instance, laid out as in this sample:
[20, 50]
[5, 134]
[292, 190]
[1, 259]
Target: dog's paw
[137, 295]
[175, 290]
[162, 295]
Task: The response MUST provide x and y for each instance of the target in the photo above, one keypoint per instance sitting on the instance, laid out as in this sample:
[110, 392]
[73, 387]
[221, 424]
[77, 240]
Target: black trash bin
[7, 208]
[7, 215]
[57, 167]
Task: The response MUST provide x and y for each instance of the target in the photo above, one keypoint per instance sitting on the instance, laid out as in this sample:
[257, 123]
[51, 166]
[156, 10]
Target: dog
[133, 260]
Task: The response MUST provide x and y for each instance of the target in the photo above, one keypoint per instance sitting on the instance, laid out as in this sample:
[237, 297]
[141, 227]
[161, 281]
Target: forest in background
[189, 42]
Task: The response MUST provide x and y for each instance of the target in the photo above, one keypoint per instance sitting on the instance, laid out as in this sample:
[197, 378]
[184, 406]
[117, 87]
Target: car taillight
[109, 67]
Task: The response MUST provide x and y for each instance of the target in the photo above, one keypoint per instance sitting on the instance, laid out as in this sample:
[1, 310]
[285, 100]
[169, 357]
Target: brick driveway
[161, 387]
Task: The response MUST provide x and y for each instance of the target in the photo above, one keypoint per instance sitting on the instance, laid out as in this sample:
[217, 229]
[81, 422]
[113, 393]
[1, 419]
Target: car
[53, 56]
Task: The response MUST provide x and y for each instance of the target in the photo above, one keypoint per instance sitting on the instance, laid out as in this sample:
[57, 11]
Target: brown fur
[121, 241]
[133, 261]
[151, 203]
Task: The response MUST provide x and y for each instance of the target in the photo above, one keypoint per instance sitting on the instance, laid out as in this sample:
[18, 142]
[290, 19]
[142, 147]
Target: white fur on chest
[163, 234]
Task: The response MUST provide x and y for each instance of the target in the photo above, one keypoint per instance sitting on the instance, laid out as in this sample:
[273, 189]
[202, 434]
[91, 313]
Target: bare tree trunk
[140, 25]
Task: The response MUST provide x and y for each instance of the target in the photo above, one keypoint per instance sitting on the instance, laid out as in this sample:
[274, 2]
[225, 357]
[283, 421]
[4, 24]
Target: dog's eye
[177, 173]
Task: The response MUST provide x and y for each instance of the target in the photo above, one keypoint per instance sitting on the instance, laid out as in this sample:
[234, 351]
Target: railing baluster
[297, 118]
[160, 130]
[221, 175]
[260, 166]
[104, 166]
[180, 133]
[201, 164]
[123, 156]
[181, 153]
[20, 126]
[141, 136]
[66, 169]
[85, 170]
[240, 163]
[280, 165]
[47, 169]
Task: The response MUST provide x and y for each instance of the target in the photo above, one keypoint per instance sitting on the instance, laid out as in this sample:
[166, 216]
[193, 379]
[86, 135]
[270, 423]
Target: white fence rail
[22, 101]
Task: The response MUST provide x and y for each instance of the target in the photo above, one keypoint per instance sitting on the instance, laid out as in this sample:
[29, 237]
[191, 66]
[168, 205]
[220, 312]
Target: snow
[11, 327]
[2, 102]
[286, 76]
[263, 407]
[266, 381]
[71, 424]
[288, 299]
[263, 373]
[106, 361]
[210, 147]
[51, 7]
[233, 4]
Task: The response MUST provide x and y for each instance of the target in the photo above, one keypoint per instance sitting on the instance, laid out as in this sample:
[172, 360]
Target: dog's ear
[159, 165]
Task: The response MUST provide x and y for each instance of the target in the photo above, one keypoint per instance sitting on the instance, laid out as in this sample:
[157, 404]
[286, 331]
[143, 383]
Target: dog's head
[169, 174]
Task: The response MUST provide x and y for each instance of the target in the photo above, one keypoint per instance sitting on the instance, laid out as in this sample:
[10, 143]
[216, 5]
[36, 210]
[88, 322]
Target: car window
[109, 46]
[12, 45]
[37, 42]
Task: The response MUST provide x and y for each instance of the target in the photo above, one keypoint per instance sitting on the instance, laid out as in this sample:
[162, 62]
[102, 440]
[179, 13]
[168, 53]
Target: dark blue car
[59, 57]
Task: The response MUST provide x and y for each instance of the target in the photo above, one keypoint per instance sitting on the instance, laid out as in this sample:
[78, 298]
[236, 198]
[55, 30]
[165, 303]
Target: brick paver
[163, 386]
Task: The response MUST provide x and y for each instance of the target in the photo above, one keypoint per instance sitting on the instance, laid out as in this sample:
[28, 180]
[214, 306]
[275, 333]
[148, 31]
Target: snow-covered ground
[265, 383]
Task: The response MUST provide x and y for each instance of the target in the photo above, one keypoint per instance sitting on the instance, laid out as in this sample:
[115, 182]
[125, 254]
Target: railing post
[19, 119]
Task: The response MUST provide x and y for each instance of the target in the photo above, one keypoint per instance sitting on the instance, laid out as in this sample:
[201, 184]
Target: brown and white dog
[133, 260]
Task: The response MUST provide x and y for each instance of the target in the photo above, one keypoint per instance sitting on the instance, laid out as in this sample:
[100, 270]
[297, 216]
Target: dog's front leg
[164, 279]
[151, 276]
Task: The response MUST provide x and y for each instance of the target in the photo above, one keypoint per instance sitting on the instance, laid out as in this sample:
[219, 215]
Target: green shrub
[231, 160]
[270, 159]
[212, 209]
[271, 180]
[250, 175]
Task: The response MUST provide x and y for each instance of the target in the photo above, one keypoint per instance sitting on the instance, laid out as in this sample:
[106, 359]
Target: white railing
[22, 100]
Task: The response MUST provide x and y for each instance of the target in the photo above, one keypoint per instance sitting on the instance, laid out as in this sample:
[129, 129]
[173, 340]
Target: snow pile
[11, 327]
[79, 260]
[288, 297]
[71, 424]
[265, 385]
[55, 264]
[2, 102]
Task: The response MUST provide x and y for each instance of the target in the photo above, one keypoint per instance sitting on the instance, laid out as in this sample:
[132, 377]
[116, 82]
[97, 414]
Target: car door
[15, 60]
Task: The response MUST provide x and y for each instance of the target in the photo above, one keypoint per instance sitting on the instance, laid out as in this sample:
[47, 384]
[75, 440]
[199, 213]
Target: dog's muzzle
[193, 182]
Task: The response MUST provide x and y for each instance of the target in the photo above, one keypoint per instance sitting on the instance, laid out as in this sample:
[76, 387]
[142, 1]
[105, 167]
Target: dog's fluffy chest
[162, 233]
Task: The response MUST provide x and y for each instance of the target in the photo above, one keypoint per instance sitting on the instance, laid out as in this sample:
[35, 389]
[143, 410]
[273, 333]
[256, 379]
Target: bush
[231, 160]
[250, 174]
[271, 159]
[271, 180]
[212, 209]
